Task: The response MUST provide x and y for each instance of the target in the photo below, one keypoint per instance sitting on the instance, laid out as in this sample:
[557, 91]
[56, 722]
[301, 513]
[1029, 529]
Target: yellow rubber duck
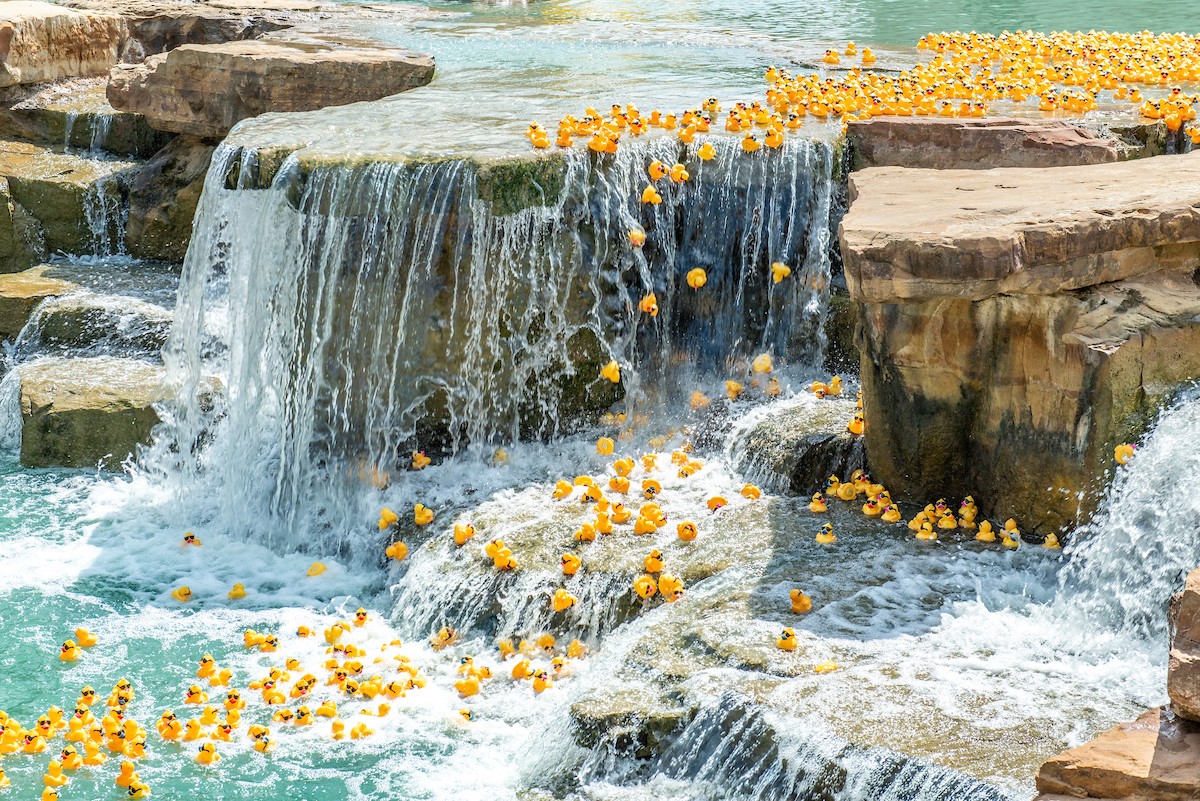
[182, 594]
[563, 489]
[649, 305]
[644, 525]
[562, 600]
[825, 667]
[191, 539]
[645, 586]
[697, 277]
[541, 682]
[733, 389]
[654, 561]
[54, 776]
[817, 505]
[570, 564]
[657, 170]
[650, 195]
[69, 651]
[857, 425]
[706, 152]
[826, 536]
[762, 363]
[1051, 542]
[84, 638]
[752, 492]
[463, 533]
[422, 515]
[750, 143]
[315, 569]
[679, 174]
[779, 271]
[985, 533]
[890, 514]
[670, 587]
[686, 531]
[207, 754]
[801, 603]
[611, 371]
[605, 446]
[846, 491]
[926, 532]
[1011, 535]
[237, 591]
[387, 519]
[127, 775]
[947, 522]
[787, 640]
[1123, 453]
[585, 533]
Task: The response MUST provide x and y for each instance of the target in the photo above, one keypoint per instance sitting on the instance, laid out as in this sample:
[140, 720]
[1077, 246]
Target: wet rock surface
[21, 292]
[1183, 669]
[163, 195]
[1019, 324]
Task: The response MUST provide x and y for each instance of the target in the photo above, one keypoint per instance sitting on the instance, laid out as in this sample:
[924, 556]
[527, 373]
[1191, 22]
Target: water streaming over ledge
[354, 310]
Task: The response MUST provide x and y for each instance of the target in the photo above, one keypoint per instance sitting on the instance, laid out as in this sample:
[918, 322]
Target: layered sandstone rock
[87, 412]
[163, 195]
[204, 90]
[20, 293]
[1016, 324]
[1155, 758]
[975, 144]
[46, 42]
[1183, 669]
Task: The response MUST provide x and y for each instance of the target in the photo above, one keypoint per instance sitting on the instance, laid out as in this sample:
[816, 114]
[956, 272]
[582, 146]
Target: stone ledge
[46, 42]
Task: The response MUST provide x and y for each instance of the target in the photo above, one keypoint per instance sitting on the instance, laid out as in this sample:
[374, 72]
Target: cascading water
[363, 309]
[107, 213]
[1133, 556]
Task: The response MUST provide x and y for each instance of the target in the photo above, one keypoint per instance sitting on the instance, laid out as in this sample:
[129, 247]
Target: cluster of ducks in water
[1062, 72]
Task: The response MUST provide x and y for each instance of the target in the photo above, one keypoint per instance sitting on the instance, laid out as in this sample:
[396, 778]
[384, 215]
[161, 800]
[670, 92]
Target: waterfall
[106, 211]
[356, 309]
[1127, 563]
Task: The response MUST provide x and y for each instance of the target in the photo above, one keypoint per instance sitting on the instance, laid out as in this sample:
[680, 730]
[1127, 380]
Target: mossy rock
[511, 185]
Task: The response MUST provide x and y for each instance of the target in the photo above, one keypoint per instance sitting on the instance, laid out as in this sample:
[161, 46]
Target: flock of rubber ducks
[966, 73]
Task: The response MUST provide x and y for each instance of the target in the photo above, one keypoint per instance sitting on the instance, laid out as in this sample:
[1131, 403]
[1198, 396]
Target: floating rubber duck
[563, 489]
[397, 550]
[752, 492]
[733, 389]
[985, 533]
[846, 491]
[645, 586]
[69, 651]
[1051, 542]
[182, 594]
[670, 587]
[650, 195]
[422, 515]
[706, 152]
[1123, 453]
[387, 519]
[801, 603]
[817, 505]
[191, 539]
[315, 569]
[750, 143]
[826, 536]
[825, 667]
[697, 277]
[127, 774]
[779, 271]
[787, 640]
[947, 522]
[687, 531]
[237, 592]
[541, 682]
[445, 637]
[54, 776]
[207, 754]
[654, 561]
[649, 305]
[637, 238]
[1011, 534]
[857, 425]
[562, 600]
[831, 57]
[195, 695]
[605, 446]
[679, 174]
[84, 638]
[926, 532]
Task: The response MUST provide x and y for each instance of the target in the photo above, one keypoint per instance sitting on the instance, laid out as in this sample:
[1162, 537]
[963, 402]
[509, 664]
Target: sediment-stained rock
[1183, 669]
[1155, 758]
[1017, 324]
[20, 293]
[204, 90]
[46, 42]
[975, 144]
[87, 412]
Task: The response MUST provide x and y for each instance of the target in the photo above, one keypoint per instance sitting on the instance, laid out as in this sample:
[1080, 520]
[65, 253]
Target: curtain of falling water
[352, 311]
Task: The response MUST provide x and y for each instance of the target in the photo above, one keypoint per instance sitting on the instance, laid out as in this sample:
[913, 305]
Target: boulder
[1183, 668]
[204, 90]
[74, 200]
[20, 293]
[46, 42]
[21, 242]
[163, 195]
[1017, 324]
[86, 323]
[795, 449]
[975, 144]
[87, 412]
[1155, 758]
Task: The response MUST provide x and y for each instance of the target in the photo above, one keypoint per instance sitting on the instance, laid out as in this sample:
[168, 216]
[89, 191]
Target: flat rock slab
[46, 42]
[87, 412]
[920, 234]
[21, 292]
[1155, 758]
[205, 90]
[977, 144]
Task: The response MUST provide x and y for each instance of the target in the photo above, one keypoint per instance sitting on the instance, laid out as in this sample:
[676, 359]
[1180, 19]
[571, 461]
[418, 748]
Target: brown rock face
[204, 90]
[87, 412]
[163, 195]
[1017, 324]
[977, 144]
[1183, 670]
[45, 42]
[1155, 758]
[20, 293]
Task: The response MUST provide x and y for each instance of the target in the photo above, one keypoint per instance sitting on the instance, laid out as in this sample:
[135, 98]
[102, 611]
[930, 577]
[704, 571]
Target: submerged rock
[976, 144]
[796, 449]
[87, 412]
[1155, 758]
[1016, 325]
[204, 90]
[20, 293]
[1183, 669]
[46, 42]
